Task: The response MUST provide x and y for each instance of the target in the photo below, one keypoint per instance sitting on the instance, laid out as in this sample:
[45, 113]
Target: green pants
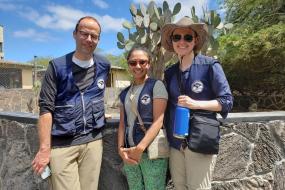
[147, 175]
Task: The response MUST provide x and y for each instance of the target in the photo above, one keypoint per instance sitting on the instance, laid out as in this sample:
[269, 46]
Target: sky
[43, 28]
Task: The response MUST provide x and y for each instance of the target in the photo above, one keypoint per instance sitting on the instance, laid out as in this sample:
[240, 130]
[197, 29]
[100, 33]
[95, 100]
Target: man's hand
[41, 159]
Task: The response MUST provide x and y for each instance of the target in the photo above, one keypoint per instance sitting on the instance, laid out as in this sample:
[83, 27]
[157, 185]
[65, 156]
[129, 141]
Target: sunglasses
[178, 37]
[135, 62]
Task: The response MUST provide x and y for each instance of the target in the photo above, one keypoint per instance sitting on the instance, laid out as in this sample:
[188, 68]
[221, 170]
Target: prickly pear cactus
[215, 26]
[144, 30]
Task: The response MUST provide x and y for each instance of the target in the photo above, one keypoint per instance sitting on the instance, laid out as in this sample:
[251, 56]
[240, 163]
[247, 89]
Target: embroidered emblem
[101, 83]
[145, 99]
[197, 86]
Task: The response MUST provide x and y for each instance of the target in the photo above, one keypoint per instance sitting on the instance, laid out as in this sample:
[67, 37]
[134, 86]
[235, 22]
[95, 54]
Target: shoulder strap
[135, 110]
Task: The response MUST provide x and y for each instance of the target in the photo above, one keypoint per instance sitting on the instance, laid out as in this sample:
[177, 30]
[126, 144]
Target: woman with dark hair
[141, 117]
[198, 83]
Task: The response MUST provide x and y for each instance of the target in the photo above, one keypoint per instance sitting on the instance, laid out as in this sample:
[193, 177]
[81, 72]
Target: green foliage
[144, 30]
[257, 13]
[41, 61]
[119, 60]
[253, 53]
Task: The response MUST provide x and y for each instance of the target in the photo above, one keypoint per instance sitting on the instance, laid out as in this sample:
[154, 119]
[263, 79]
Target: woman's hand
[210, 105]
[186, 101]
[125, 157]
[134, 153]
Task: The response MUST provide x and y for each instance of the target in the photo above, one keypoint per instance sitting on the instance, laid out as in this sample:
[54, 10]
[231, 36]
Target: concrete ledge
[21, 117]
[254, 116]
[232, 117]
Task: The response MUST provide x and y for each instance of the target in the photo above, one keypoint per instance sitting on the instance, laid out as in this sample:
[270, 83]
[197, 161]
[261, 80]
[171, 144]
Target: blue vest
[205, 80]
[78, 112]
[144, 106]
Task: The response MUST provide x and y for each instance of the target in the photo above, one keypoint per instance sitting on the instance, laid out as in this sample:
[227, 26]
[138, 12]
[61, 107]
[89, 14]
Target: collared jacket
[78, 112]
[145, 109]
[204, 80]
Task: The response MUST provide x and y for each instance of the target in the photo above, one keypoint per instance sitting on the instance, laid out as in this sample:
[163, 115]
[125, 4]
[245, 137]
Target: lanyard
[182, 81]
[180, 85]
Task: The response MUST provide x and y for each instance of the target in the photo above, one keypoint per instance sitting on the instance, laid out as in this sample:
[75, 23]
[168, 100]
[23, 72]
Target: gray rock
[251, 157]
[32, 141]
[111, 176]
[279, 176]
[232, 158]
[265, 153]
[278, 128]
[248, 130]
[253, 183]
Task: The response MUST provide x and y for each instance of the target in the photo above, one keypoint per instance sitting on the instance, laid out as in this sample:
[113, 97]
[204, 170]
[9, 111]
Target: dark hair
[140, 48]
[86, 17]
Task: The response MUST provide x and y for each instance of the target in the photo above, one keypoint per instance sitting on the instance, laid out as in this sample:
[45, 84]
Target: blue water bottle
[181, 122]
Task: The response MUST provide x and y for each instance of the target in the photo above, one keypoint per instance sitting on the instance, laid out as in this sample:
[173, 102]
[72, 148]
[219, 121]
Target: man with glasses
[72, 113]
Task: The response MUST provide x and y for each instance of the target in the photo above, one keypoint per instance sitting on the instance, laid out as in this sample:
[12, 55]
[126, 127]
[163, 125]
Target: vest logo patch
[101, 83]
[145, 99]
[197, 86]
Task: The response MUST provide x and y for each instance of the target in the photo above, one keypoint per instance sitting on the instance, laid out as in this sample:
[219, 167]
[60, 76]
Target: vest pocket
[98, 112]
[64, 120]
[64, 111]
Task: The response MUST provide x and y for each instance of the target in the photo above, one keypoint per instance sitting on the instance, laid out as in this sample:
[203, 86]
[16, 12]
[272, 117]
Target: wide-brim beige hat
[185, 22]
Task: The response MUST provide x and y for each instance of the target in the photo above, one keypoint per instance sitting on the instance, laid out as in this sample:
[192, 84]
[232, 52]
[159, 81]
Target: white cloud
[186, 6]
[65, 18]
[7, 6]
[100, 3]
[59, 17]
[33, 34]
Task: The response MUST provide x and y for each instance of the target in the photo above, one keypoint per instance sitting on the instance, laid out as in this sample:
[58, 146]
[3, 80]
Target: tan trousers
[76, 167]
[190, 170]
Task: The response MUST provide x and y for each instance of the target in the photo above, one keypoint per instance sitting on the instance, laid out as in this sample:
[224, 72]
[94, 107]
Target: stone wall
[18, 100]
[25, 100]
[251, 157]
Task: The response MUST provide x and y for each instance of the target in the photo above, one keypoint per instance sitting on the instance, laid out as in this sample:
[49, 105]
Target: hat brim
[168, 29]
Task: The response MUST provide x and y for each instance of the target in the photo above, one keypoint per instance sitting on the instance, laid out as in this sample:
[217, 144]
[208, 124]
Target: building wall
[27, 79]
[1, 42]
[121, 78]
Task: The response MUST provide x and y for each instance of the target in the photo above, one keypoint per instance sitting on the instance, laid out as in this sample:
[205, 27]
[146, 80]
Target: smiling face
[86, 37]
[139, 65]
[184, 45]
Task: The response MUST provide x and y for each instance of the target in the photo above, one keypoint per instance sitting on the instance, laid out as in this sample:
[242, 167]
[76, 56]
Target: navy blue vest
[78, 112]
[205, 80]
[145, 103]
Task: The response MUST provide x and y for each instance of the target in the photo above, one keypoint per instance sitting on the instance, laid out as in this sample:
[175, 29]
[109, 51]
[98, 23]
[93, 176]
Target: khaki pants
[76, 167]
[190, 170]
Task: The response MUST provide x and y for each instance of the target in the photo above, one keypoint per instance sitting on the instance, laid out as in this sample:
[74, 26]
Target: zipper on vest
[65, 106]
[83, 110]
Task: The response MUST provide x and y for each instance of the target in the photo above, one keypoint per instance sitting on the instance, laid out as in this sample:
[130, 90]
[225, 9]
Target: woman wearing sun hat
[196, 82]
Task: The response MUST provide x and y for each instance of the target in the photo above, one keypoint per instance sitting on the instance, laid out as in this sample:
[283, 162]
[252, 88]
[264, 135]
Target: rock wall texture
[251, 157]
[18, 100]
[25, 100]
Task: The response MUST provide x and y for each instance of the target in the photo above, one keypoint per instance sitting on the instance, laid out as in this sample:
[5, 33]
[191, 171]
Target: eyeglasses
[135, 62]
[178, 37]
[85, 35]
